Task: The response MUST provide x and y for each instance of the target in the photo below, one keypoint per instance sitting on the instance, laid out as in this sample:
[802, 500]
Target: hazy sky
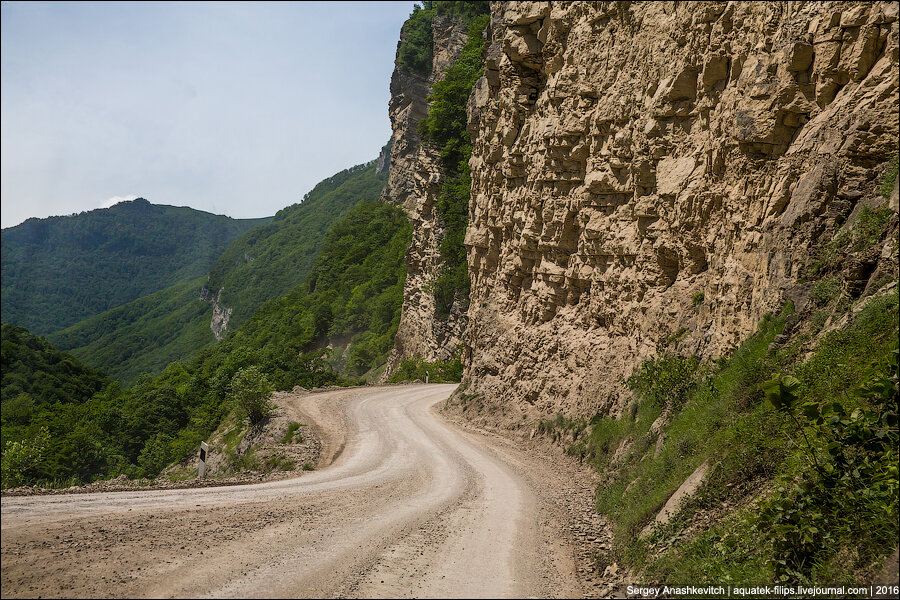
[233, 108]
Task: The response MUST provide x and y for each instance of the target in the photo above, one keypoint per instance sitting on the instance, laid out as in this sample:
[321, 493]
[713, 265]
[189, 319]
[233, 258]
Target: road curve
[411, 507]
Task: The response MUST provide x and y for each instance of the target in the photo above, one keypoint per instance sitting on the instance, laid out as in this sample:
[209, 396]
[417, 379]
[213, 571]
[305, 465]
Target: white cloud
[116, 200]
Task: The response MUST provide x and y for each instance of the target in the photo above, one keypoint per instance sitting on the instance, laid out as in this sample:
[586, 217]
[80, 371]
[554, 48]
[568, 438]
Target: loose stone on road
[411, 505]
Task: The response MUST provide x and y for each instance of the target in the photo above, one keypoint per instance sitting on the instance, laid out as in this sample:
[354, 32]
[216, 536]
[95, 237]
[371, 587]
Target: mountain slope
[353, 297]
[147, 334]
[269, 261]
[60, 270]
[37, 377]
[33, 367]
[144, 335]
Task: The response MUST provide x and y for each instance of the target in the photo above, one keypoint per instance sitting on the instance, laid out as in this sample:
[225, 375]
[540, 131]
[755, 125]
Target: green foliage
[867, 230]
[782, 392]
[666, 380]
[60, 270]
[147, 334]
[250, 391]
[354, 292]
[269, 261]
[869, 227]
[698, 298]
[711, 418]
[416, 48]
[445, 126]
[825, 290]
[417, 42]
[21, 458]
[293, 435]
[849, 492]
[846, 356]
[825, 441]
[412, 369]
[34, 373]
[144, 335]
[890, 176]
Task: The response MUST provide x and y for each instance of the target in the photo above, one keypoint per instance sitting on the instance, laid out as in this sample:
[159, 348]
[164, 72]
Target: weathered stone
[627, 160]
[414, 183]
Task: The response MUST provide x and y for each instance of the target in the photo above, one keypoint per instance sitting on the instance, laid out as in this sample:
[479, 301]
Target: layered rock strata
[652, 171]
[414, 183]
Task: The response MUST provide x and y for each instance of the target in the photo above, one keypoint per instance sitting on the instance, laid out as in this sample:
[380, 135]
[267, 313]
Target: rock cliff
[414, 183]
[643, 172]
[221, 313]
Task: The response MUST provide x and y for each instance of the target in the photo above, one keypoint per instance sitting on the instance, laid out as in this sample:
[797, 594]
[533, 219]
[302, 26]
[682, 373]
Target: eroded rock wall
[648, 169]
[415, 183]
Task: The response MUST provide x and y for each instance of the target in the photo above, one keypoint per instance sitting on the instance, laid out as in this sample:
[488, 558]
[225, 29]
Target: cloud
[116, 200]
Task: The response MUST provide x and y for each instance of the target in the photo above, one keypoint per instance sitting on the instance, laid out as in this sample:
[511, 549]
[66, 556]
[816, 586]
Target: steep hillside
[644, 171]
[425, 177]
[33, 368]
[147, 334]
[350, 300]
[269, 261]
[60, 270]
[37, 379]
[683, 252]
[144, 335]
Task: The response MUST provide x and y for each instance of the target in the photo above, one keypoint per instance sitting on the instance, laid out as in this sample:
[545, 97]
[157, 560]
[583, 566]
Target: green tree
[21, 458]
[250, 391]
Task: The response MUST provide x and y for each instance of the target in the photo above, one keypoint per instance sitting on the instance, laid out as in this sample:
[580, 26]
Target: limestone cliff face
[630, 157]
[415, 183]
[221, 313]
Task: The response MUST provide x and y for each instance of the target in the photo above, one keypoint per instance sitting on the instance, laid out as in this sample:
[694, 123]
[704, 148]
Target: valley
[619, 301]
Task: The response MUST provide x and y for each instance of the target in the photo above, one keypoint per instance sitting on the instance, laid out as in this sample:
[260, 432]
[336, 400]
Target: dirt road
[410, 505]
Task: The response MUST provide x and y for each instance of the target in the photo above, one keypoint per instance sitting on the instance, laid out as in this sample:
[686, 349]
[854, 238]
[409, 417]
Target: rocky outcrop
[415, 183]
[642, 169]
[221, 314]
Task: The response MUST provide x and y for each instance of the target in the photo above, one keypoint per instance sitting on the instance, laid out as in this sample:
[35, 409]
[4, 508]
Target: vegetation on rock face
[795, 481]
[890, 176]
[147, 334]
[798, 426]
[416, 49]
[353, 294]
[445, 126]
[60, 270]
[412, 369]
[417, 42]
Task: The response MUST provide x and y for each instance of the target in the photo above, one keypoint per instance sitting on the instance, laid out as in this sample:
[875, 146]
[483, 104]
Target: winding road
[410, 505]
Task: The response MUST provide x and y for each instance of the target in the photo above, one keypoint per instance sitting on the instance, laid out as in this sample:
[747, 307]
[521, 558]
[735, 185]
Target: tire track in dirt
[410, 506]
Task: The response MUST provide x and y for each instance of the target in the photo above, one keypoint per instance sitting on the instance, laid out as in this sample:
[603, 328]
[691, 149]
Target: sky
[231, 108]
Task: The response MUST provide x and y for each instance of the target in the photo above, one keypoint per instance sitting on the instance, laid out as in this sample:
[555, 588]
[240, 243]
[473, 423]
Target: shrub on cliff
[416, 49]
[417, 45]
[445, 126]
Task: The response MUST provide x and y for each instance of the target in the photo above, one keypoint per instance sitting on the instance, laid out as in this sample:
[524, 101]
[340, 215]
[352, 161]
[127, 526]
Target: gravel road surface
[404, 504]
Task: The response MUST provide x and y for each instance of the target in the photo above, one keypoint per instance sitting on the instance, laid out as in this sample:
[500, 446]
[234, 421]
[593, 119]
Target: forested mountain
[36, 374]
[269, 261]
[145, 335]
[61, 270]
[352, 297]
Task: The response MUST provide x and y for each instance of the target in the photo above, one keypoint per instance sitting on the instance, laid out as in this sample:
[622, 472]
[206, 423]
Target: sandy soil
[404, 504]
